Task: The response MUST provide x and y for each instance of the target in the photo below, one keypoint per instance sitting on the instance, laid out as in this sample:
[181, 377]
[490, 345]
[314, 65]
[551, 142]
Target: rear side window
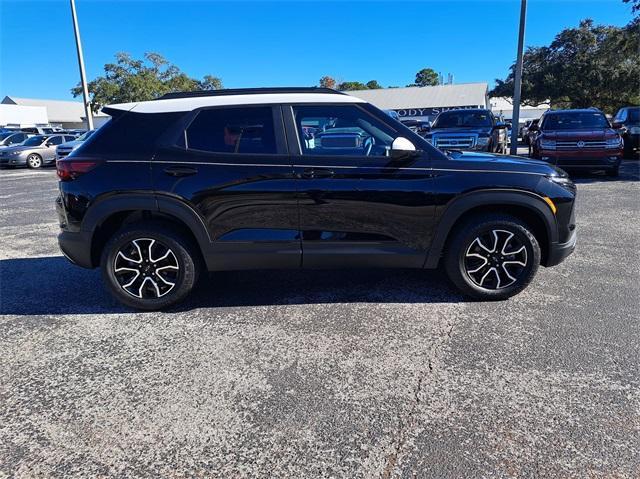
[233, 130]
[130, 134]
[56, 140]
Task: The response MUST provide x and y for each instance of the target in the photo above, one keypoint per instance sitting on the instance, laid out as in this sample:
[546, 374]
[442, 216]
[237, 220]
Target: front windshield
[575, 121]
[34, 140]
[456, 119]
[633, 115]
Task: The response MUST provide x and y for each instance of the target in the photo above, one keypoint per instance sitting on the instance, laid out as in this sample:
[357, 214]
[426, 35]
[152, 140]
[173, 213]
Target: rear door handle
[311, 173]
[180, 171]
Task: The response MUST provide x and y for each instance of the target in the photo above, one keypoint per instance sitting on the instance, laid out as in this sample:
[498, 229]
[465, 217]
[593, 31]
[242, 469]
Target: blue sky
[280, 43]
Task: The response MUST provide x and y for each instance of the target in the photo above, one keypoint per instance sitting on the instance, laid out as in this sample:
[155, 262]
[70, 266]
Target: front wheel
[149, 266]
[34, 161]
[492, 257]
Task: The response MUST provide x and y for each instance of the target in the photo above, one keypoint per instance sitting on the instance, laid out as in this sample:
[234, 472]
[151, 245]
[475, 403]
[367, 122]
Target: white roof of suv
[191, 102]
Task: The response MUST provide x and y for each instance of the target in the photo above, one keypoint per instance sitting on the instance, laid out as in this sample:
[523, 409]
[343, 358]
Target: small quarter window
[233, 130]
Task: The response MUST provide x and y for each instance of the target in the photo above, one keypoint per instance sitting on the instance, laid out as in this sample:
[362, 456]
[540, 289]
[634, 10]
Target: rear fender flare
[166, 205]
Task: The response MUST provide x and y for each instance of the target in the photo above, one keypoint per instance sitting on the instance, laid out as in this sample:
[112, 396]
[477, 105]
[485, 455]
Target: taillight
[71, 169]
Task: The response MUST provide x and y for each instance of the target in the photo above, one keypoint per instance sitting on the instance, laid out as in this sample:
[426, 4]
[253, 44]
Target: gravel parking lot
[322, 374]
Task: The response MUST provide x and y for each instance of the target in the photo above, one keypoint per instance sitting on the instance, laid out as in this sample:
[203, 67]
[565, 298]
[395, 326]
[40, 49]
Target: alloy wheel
[146, 268]
[34, 161]
[495, 260]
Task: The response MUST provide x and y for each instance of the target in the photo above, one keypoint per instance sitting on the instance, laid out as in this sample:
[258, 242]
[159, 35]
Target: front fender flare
[499, 197]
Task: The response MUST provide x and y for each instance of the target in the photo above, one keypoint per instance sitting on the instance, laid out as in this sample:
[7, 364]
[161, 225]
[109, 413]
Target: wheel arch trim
[494, 197]
[166, 205]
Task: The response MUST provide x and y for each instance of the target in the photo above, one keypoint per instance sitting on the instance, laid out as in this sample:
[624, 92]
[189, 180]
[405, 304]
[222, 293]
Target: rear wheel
[492, 257]
[34, 161]
[149, 266]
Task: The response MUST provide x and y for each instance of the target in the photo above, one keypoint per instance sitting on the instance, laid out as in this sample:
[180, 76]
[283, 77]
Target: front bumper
[558, 252]
[634, 140]
[586, 160]
[13, 160]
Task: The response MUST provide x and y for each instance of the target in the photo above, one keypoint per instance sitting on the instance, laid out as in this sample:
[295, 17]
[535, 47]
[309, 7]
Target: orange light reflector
[548, 201]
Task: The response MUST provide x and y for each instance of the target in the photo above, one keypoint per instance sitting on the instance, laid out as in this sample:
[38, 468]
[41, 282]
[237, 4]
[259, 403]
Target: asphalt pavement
[386, 373]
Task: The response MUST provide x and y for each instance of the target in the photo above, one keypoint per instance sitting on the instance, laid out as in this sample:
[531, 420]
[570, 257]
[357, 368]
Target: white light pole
[83, 76]
[517, 87]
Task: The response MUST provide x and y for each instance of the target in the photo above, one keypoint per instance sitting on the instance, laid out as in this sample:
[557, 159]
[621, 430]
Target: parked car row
[572, 139]
[25, 148]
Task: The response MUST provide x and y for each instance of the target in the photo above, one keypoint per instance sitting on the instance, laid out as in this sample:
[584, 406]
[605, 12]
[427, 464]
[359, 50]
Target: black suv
[627, 122]
[237, 179]
[468, 129]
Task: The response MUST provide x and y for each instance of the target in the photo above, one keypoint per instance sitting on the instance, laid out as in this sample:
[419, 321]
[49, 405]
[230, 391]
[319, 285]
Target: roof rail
[248, 91]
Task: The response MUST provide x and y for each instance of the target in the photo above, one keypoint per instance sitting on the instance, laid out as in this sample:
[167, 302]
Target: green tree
[426, 77]
[352, 85]
[327, 82]
[592, 65]
[373, 85]
[137, 80]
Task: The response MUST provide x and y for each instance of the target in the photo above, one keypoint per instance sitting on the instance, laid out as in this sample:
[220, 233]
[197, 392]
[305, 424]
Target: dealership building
[425, 103]
[29, 112]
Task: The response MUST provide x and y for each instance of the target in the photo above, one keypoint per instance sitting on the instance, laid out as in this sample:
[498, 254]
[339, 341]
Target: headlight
[548, 144]
[12, 153]
[483, 140]
[563, 181]
[634, 130]
[614, 142]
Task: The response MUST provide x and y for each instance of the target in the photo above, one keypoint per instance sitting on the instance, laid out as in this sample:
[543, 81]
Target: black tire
[462, 250]
[184, 255]
[34, 161]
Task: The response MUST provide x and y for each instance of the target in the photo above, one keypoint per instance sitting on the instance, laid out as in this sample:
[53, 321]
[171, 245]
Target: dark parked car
[530, 132]
[35, 152]
[578, 139]
[421, 127]
[228, 180]
[468, 129]
[627, 122]
[13, 138]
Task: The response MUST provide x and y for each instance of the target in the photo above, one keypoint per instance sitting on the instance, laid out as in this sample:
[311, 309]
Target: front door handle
[312, 173]
[178, 171]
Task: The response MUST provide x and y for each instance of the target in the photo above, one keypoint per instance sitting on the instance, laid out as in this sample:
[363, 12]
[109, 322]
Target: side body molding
[498, 197]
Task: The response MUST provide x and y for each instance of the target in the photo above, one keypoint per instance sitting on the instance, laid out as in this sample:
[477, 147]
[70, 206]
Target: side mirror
[402, 148]
[617, 125]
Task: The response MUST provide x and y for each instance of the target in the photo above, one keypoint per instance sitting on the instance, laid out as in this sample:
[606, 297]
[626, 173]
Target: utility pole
[517, 90]
[83, 76]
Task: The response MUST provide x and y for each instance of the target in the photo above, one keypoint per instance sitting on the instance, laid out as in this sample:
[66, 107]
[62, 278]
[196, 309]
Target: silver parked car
[63, 150]
[34, 152]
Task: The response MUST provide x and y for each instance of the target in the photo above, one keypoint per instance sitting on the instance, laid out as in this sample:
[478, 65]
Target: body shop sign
[430, 112]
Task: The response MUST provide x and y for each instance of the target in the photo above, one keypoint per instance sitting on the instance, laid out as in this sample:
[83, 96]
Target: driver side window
[343, 130]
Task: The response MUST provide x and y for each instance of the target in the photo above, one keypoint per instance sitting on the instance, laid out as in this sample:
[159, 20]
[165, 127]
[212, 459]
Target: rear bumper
[558, 252]
[76, 247]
